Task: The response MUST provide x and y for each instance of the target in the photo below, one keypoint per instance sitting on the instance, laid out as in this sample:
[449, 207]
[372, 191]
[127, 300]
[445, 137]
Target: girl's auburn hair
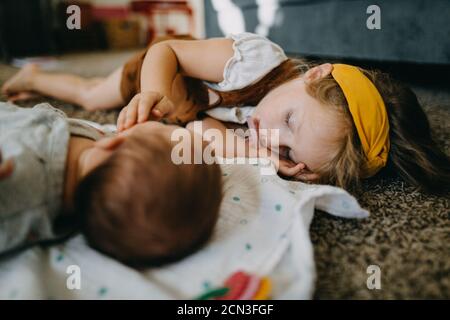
[413, 155]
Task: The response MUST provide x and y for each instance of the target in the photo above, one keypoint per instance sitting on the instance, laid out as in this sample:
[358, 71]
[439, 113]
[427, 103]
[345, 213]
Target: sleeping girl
[337, 123]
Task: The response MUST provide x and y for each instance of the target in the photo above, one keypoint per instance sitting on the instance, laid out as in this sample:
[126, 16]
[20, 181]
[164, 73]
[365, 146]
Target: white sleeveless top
[254, 57]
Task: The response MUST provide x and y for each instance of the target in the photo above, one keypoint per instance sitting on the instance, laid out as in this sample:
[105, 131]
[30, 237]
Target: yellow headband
[369, 115]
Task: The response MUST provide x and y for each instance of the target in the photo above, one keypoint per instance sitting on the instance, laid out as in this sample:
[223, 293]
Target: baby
[123, 191]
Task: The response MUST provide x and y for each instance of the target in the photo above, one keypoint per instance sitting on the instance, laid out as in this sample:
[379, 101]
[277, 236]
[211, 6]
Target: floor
[407, 235]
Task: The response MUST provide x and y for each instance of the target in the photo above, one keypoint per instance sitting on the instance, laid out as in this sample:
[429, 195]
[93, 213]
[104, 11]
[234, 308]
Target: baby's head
[142, 209]
[317, 130]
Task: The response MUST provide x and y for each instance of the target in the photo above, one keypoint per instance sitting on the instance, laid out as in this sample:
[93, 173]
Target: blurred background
[38, 27]
[412, 35]
[414, 31]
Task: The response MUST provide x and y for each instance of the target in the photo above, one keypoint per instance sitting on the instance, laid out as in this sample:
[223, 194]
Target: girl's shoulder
[254, 57]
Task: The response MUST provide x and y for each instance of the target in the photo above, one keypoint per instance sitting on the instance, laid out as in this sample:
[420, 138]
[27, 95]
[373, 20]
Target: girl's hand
[297, 171]
[285, 167]
[143, 107]
[6, 168]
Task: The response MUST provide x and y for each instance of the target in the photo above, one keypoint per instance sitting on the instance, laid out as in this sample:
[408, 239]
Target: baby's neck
[77, 146]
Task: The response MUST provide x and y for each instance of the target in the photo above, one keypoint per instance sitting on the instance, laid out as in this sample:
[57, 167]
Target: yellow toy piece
[264, 290]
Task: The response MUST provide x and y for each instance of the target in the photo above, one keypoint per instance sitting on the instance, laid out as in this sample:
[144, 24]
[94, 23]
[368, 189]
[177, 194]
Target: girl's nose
[253, 123]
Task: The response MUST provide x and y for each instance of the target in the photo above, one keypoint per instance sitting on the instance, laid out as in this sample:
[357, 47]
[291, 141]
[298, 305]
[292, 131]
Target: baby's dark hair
[144, 210]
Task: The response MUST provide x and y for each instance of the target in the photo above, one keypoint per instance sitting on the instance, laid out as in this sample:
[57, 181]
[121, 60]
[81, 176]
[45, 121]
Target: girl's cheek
[268, 117]
[260, 111]
[268, 122]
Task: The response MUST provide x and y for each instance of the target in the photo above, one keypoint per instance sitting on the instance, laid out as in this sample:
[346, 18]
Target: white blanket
[262, 229]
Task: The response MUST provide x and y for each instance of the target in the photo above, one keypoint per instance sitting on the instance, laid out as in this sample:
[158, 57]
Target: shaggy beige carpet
[407, 235]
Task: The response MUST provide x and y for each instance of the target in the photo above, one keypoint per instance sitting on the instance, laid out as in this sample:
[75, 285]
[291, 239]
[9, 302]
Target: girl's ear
[110, 143]
[318, 72]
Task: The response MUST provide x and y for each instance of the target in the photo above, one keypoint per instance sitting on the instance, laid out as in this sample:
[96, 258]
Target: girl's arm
[242, 148]
[231, 145]
[201, 59]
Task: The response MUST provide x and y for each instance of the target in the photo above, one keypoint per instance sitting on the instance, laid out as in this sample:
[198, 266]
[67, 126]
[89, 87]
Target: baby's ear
[110, 143]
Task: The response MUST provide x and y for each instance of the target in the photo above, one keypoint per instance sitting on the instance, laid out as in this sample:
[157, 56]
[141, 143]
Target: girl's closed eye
[288, 119]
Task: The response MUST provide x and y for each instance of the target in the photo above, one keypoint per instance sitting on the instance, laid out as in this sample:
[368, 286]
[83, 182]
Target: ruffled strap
[254, 57]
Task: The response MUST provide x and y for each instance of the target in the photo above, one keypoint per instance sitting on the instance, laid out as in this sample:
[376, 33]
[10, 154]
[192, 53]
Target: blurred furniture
[90, 36]
[121, 26]
[411, 30]
[25, 28]
[163, 8]
[122, 33]
[39, 27]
